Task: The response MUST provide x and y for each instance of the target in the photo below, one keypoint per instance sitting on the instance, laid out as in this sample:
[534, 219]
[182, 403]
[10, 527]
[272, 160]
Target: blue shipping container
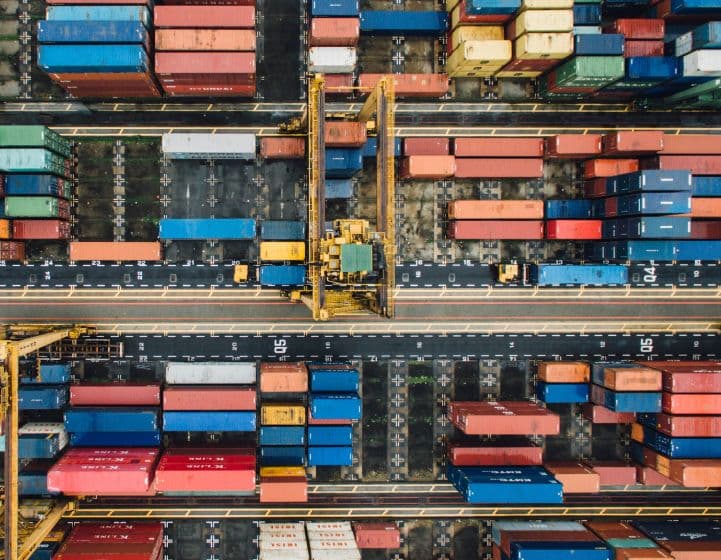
[334, 381]
[330, 435]
[562, 392]
[33, 483]
[607, 44]
[338, 188]
[282, 456]
[282, 230]
[371, 147]
[698, 250]
[98, 13]
[48, 373]
[282, 435]
[680, 530]
[343, 163]
[576, 209]
[651, 68]
[32, 184]
[227, 421]
[92, 58]
[682, 447]
[706, 186]
[709, 7]
[629, 401]
[206, 228]
[42, 397]
[707, 36]
[90, 419]
[644, 250]
[489, 7]
[282, 275]
[402, 22]
[39, 446]
[649, 180]
[560, 550]
[335, 8]
[578, 274]
[654, 203]
[107, 32]
[324, 406]
[115, 439]
[45, 551]
[587, 14]
[330, 456]
[498, 526]
[656, 227]
[507, 485]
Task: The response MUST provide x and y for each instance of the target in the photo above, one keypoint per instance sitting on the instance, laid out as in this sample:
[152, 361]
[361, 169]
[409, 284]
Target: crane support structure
[316, 192]
[10, 353]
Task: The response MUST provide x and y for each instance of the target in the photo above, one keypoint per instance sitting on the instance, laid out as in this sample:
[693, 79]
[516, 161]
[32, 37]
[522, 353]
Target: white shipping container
[587, 30]
[272, 538]
[263, 526]
[204, 146]
[328, 526]
[331, 535]
[683, 44]
[284, 555]
[221, 373]
[46, 428]
[332, 60]
[282, 544]
[702, 63]
[333, 545]
[335, 555]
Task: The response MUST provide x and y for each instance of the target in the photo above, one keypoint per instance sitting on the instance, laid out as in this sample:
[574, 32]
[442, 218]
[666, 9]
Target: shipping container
[576, 478]
[587, 14]
[479, 58]
[330, 435]
[12, 250]
[500, 529]
[207, 228]
[345, 134]
[555, 46]
[428, 167]
[614, 473]
[114, 251]
[205, 16]
[334, 32]
[576, 209]
[498, 147]
[339, 83]
[281, 472]
[706, 186]
[36, 207]
[282, 147]
[499, 168]
[332, 406]
[277, 456]
[208, 421]
[540, 21]
[573, 229]
[204, 397]
[490, 209]
[502, 452]
[115, 439]
[282, 229]
[626, 401]
[496, 229]
[40, 229]
[41, 440]
[601, 415]
[282, 251]
[503, 418]
[343, 163]
[332, 60]
[610, 167]
[650, 180]
[105, 32]
[205, 40]
[633, 142]
[202, 373]
[204, 146]
[34, 136]
[330, 456]
[36, 184]
[564, 372]
[473, 33]
[403, 22]
[682, 448]
[114, 394]
[701, 63]
[47, 373]
[370, 148]
[92, 419]
[638, 28]
[409, 85]
[426, 146]
[483, 7]
[335, 8]
[33, 160]
[590, 71]
[282, 415]
[93, 58]
[205, 477]
[509, 485]
[42, 397]
[292, 489]
[377, 535]
[573, 146]
[334, 380]
[282, 435]
[682, 425]
[562, 392]
[281, 275]
[607, 44]
[631, 379]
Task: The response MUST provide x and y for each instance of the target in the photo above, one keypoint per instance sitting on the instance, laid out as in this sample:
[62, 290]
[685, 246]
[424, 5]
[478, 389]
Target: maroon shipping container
[282, 148]
[208, 80]
[498, 147]
[70, 551]
[595, 188]
[195, 17]
[709, 165]
[691, 144]
[614, 473]
[193, 397]
[12, 251]
[2, 185]
[377, 535]
[522, 65]
[133, 532]
[695, 379]
[345, 134]
[495, 229]
[553, 87]
[573, 229]
[598, 414]
[409, 85]
[41, 229]
[334, 32]
[573, 146]
[213, 471]
[688, 426]
[643, 48]
[426, 147]
[705, 229]
[499, 168]
[640, 28]
[114, 394]
[492, 455]
[204, 63]
[176, 90]
[633, 142]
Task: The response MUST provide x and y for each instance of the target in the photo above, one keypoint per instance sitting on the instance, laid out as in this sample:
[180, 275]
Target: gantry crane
[332, 292]
[10, 353]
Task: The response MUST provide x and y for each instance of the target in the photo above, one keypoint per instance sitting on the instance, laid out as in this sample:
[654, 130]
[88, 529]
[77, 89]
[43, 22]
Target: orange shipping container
[576, 478]
[564, 372]
[498, 147]
[283, 377]
[705, 207]
[495, 210]
[499, 168]
[4, 229]
[573, 146]
[114, 251]
[205, 63]
[276, 147]
[205, 40]
[633, 142]
[632, 379]
[227, 17]
[696, 473]
[608, 167]
[642, 554]
[691, 144]
[409, 85]
[345, 134]
[334, 32]
[428, 167]
[284, 489]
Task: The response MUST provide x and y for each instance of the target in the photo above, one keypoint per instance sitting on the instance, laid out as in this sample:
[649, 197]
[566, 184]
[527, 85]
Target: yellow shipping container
[282, 251]
[544, 21]
[5, 229]
[544, 45]
[479, 58]
[546, 4]
[476, 33]
[282, 415]
[281, 471]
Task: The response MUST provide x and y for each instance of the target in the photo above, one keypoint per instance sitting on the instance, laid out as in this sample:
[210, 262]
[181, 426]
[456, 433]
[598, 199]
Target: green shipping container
[34, 136]
[356, 258]
[31, 160]
[590, 71]
[31, 207]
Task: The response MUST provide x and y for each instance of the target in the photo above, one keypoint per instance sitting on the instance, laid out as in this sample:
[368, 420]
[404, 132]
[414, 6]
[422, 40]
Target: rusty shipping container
[275, 147]
[201, 63]
[334, 32]
[498, 147]
[114, 251]
[564, 372]
[573, 146]
[40, 229]
[633, 49]
[499, 168]
[377, 535]
[283, 377]
[345, 134]
[229, 17]
[205, 40]
[496, 229]
[428, 167]
[12, 250]
[495, 210]
[640, 28]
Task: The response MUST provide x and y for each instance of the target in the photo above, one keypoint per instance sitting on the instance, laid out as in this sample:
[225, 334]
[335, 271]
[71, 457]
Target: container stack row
[311, 540]
[333, 35]
[36, 164]
[98, 50]
[205, 50]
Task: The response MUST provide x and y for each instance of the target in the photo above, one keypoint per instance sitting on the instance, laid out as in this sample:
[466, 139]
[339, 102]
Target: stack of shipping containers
[282, 274]
[333, 39]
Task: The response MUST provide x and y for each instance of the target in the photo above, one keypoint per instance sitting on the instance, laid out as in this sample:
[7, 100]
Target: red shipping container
[633, 142]
[283, 489]
[228, 40]
[609, 167]
[184, 455]
[194, 17]
[204, 63]
[709, 165]
[114, 394]
[575, 477]
[210, 2]
[615, 529]
[495, 209]
[640, 28]
[496, 553]
[651, 477]
[614, 473]
[495, 229]
[503, 418]
[499, 168]
[203, 397]
[643, 48]
[705, 207]
[492, 455]
[684, 403]
[105, 551]
[338, 83]
[428, 167]
[126, 2]
[409, 85]
[691, 144]
[595, 188]
[553, 87]
[377, 535]
[426, 146]
[133, 532]
[573, 146]
[610, 207]
[688, 426]
[209, 90]
[41, 229]
[498, 147]
[210, 476]
[698, 381]
[601, 415]
[696, 473]
[334, 32]
[272, 147]
[705, 229]
[573, 229]
[12, 251]
[206, 80]
[345, 134]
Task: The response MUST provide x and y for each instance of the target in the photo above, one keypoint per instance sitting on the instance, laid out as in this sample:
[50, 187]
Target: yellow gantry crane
[11, 350]
[332, 294]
